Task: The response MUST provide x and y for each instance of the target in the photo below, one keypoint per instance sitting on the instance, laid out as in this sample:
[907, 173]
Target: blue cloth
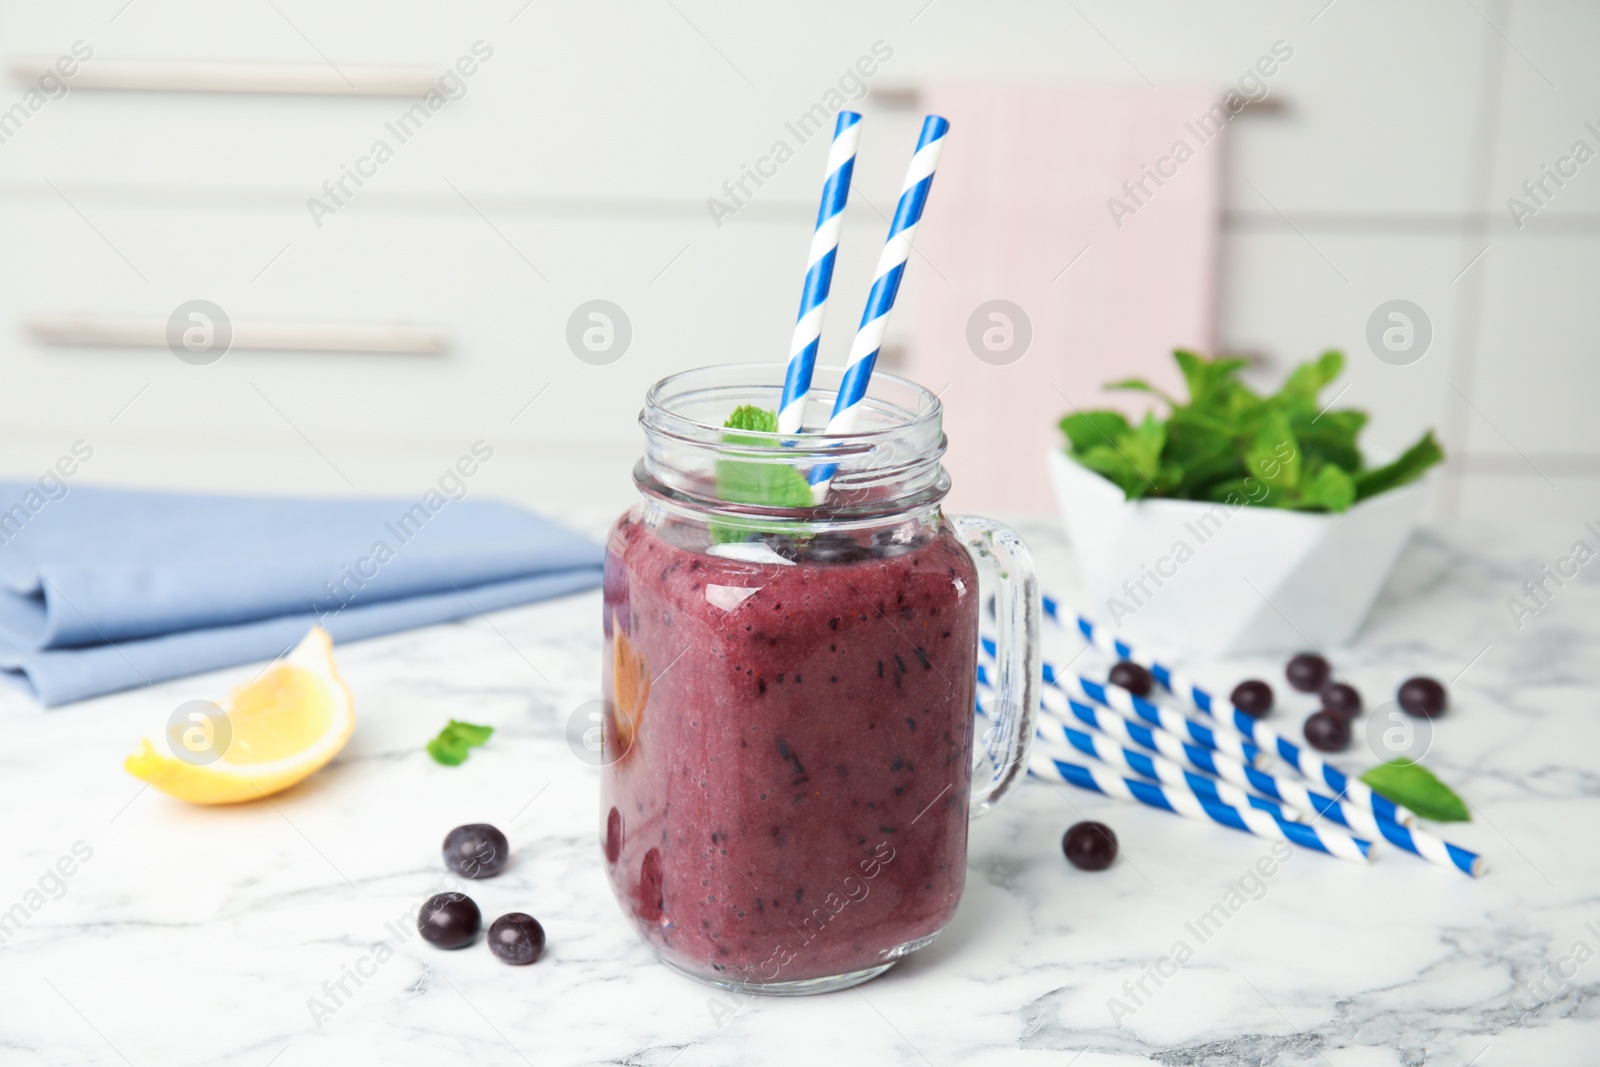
[105, 589]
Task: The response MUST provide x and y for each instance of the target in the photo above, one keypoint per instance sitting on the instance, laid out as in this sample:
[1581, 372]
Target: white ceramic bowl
[1218, 580]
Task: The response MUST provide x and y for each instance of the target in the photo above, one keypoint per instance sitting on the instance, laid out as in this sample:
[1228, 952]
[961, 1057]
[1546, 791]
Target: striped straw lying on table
[1059, 738]
[1199, 733]
[1166, 735]
[1327, 839]
[1307, 763]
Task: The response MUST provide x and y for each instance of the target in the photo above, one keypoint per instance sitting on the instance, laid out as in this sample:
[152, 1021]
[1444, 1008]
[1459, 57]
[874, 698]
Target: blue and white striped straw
[1061, 737]
[885, 287]
[1306, 762]
[1159, 769]
[1352, 816]
[1296, 798]
[1291, 792]
[1119, 726]
[1119, 699]
[819, 272]
[1181, 802]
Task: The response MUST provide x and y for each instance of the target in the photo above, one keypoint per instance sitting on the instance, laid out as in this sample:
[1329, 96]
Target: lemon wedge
[276, 731]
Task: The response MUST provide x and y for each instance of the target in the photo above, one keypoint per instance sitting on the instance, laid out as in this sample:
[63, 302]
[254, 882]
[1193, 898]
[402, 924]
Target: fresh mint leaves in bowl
[1239, 522]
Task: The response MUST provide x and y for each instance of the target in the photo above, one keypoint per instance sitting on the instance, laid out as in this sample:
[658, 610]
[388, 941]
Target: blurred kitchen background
[575, 149]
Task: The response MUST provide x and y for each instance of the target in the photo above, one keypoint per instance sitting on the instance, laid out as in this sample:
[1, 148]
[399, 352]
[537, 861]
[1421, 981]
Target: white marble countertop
[195, 935]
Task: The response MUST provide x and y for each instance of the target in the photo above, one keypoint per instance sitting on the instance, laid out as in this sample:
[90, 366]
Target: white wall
[578, 164]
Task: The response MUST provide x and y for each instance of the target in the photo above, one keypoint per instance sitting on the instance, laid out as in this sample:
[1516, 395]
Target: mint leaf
[1085, 429]
[772, 485]
[1239, 492]
[455, 740]
[1274, 455]
[1408, 468]
[750, 417]
[1139, 385]
[1331, 436]
[1228, 443]
[1209, 380]
[1133, 460]
[1143, 445]
[1414, 786]
[1114, 465]
[1329, 489]
[1305, 382]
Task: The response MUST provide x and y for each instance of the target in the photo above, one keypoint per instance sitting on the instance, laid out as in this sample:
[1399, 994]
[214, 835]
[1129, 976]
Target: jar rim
[920, 410]
[889, 463]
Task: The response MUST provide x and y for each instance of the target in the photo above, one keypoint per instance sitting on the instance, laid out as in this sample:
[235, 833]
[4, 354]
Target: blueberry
[1307, 672]
[886, 544]
[1253, 697]
[449, 920]
[783, 545]
[1328, 731]
[476, 850]
[1422, 698]
[613, 845]
[1342, 699]
[1133, 678]
[516, 938]
[835, 547]
[1089, 846]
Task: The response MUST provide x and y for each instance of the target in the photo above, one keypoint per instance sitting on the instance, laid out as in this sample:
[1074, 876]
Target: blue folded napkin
[104, 589]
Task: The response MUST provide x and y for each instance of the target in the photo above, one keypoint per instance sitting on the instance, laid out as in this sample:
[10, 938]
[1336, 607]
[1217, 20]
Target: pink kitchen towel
[1071, 239]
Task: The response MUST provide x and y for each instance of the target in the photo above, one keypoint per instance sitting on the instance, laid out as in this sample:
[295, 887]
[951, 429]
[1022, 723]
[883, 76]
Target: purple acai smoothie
[790, 744]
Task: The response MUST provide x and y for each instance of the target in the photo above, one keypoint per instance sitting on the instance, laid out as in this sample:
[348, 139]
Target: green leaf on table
[1411, 784]
[456, 740]
[1408, 468]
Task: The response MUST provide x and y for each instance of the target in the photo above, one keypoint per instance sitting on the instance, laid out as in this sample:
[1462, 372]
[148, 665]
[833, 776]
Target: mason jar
[789, 677]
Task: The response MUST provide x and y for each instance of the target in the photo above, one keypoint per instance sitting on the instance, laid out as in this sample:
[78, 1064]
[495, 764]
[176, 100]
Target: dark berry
[1090, 846]
[476, 850]
[516, 938]
[1422, 697]
[1252, 697]
[1133, 678]
[886, 544]
[783, 545]
[1307, 672]
[613, 844]
[1341, 698]
[1327, 731]
[651, 901]
[449, 920]
[833, 547]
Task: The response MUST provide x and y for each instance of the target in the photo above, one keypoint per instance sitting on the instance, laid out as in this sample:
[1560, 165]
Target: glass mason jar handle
[1004, 735]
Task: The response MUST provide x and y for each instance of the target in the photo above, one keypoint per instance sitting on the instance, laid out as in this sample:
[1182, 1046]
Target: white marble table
[201, 936]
